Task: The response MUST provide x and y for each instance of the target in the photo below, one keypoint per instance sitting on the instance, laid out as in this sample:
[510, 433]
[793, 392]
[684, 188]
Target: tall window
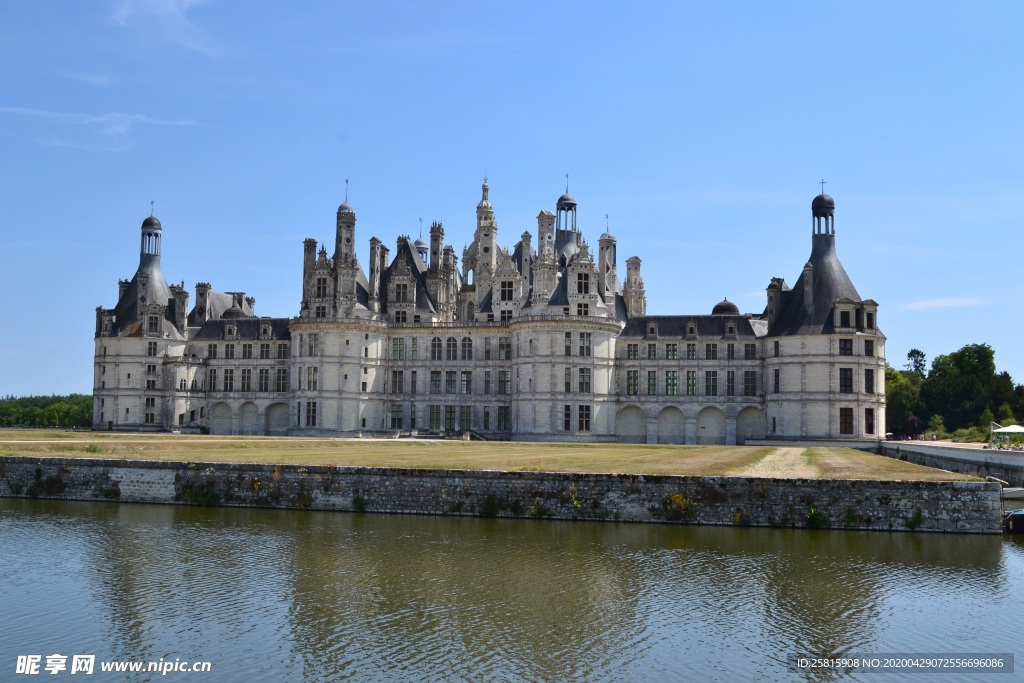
[229, 379]
[466, 382]
[568, 380]
[282, 350]
[711, 383]
[151, 348]
[652, 352]
[777, 349]
[582, 309]
[582, 283]
[311, 413]
[567, 417]
[691, 352]
[671, 383]
[320, 311]
[711, 351]
[321, 288]
[869, 347]
[845, 347]
[414, 351]
[467, 348]
[396, 415]
[869, 420]
[398, 348]
[435, 417]
[750, 382]
[691, 382]
[487, 382]
[632, 382]
[264, 351]
[229, 351]
[632, 351]
[312, 378]
[451, 348]
[845, 380]
[652, 382]
[211, 377]
[730, 351]
[750, 352]
[465, 417]
[844, 321]
[449, 418]
[869, 381]
[584, 380]
[584, 418]
[504, 348]
[435, 349]
[246, 379]
[730, 383]
[246, 351]
[281, 379]
[585, 349]
[313, 344]
[671, 351]
[211, 351]
[775, 381]
[401, 293]
[397, 382]
[449, 382]
[506, 290]
[487, 348]
[412, 384]
[869, 322]
[504, 418]
[846, 420]
[504, 383]
[435, 381]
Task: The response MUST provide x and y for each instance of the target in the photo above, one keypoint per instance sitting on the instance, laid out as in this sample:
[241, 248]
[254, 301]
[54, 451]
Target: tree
[916, 362]
[959, 385]
[902, 401]
[936, 426]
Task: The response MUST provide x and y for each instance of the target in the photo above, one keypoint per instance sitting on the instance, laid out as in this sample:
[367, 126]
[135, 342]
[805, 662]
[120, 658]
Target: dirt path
[782, 463]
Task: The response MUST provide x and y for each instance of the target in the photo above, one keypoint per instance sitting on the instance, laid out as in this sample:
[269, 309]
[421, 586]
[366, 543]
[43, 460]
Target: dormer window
[506, 290]
[321, 287]
[844, 318]
[869, 321]
[583, 283]
[230, 331]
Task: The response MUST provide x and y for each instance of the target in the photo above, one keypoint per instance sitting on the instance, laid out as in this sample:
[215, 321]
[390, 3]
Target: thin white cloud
[168, 19]
[110, 132]
[942, 303]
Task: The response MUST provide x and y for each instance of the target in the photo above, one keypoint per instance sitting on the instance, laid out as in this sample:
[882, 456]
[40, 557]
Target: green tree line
[960, 394]
[74, 410]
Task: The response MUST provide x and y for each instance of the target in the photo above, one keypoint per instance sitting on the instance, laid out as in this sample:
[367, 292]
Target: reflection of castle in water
[527, 343]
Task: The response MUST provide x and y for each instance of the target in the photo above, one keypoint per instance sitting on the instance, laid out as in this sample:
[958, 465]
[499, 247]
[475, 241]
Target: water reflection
[330, 596]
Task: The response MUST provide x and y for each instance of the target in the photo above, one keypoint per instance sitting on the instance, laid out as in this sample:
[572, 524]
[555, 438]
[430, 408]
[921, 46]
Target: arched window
[435, 348]
[182, 384]
[467, 348]
[195, 385]
[452, 348]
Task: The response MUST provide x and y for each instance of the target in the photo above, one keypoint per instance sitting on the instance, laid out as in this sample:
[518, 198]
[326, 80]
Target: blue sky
[700, 129]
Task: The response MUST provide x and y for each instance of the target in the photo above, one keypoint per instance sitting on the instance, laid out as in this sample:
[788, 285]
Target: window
[151, 348]
[320, 311]
[869, 347]
[211, 351]
[777, 347]
[845, 380]
[487, 417]
[264, 351]
[151, 369]
[321, 288]
[229, 379]
[582, 283]
[211, 376]
[396, 415]
[846, 420]
[412, 382]
[412, 416]
[467, 348]
[584, 421]
[869, 381]
[398, 349]
[730, 351]
[711, 383]
[434, 413]
[844, 321]
[449, 382]
[776, 381]
[567, 417]
[487, 348]
[691, 382]
[504, 348]
[504, 383]
[506, 290]
[401, 293]
[153, 324]
[582, 309]
[505, 418]
[869, 420]
[652, 382]
[435, 381]
[229, 351]
[452, 348]
[750, 382]
[870, 324]
[151, 384]
[465, 417]
[632, 382]
[691, 352]
[311, 413]
[246, 351]
[414, 352]
[282, 350]
[466, 382]
[584, 380]
[397, 382]
[730, 383]
[281, 379]
[585, 344]
[312, 378]
[711, 351]
[449, 418]
[487, 382]
[246, 379]
[652, 352]
[750, 352]
[264, 379]
[671, 383]
[435, 348]
[568, 343]
[632, 351]
[845, 347]
[672, 351]
[568, 380]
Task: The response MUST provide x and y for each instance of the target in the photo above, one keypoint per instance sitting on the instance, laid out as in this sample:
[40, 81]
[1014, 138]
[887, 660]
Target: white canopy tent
[1009, 431]
[1012, 429]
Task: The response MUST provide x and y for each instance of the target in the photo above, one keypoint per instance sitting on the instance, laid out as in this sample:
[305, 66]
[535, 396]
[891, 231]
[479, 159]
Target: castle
[533, 343]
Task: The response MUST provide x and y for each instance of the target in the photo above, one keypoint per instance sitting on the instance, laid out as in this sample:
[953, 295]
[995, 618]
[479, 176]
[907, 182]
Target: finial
[567, 183]
[421, 228]
[346, 189]
[606, 228]
[151, 208]
[822, 181]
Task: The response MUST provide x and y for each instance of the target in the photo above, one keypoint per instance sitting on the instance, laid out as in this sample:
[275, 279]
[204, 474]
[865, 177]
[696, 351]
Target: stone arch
[220, 418]
[277, 419]
[671, 425]
[249, 419]
[631, 425]
[750, 425]
[711, 426]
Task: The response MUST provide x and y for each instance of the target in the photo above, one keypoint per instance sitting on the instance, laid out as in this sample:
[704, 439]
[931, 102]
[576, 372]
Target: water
[307, 596]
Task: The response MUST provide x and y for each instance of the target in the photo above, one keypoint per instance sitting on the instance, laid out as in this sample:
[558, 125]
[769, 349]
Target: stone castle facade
[534, 343]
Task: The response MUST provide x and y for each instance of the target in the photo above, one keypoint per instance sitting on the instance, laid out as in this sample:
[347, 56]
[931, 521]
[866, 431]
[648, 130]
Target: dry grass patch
[840, 463]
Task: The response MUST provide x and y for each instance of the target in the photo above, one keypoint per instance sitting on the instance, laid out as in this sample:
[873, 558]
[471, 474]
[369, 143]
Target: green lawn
[836, 463]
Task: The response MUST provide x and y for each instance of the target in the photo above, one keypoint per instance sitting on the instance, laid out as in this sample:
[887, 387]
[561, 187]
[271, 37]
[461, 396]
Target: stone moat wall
[964, 507]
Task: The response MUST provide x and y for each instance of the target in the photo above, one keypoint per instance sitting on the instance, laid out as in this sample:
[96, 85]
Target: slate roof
[829, 283]
[675, 326]
[247, 328]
